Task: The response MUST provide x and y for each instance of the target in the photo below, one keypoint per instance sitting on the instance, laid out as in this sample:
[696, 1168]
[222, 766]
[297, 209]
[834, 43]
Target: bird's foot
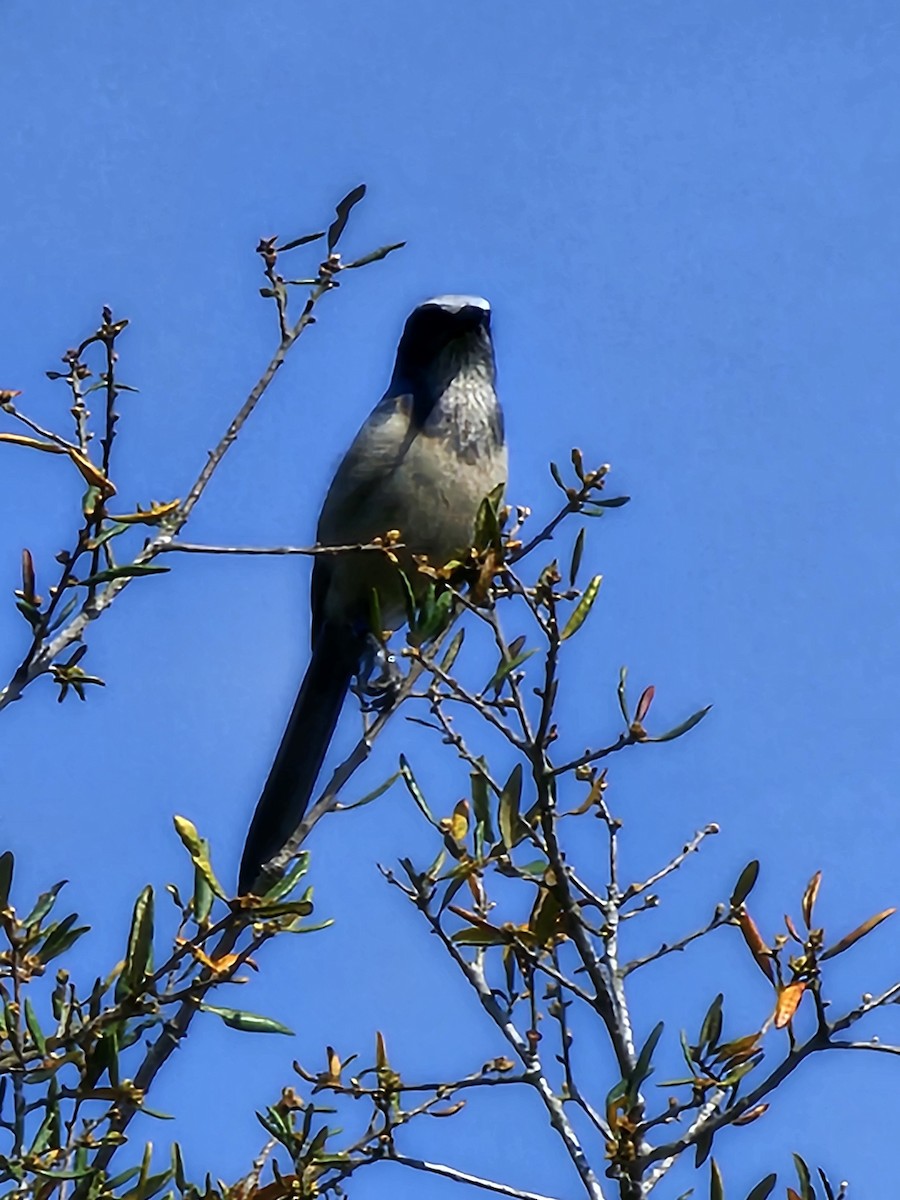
[379, 676]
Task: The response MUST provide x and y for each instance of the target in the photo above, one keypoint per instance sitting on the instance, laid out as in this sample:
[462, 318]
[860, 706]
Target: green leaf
[34, 1027]
[716, 1184]
[47, 1132]
[203, 897]
[437, 864]
[478, 936]
[557, 478]
[45, 902]
[292, 245]
[126, 571]
[31, 613]
[247, 1022]
[544, 920]
[149, 1185]
[124, 1177]
[373, 795]
[745, 884]
[642, 1068]
[623, 699]
[481, 803]
[456, 882]
[110, 531]
[616, 1094]
[7, 865]
[453, 651]
[703, 1147]
[317, 1145]
[298, 928]
[612, 502]
[711, 1028]
[577, 552]
[584, 606]
[487, 526]
[343, 209]
[91, 500]
[63, 615]
[415, 791]
[806, 1187]
[741, 1070]
[682, 728]
[374, 256]
[764, 1188]
[829, 1190]
[198, 849]
[275, 1126]
[510, 799]
[178, 1167]
[434, 616]
[536, 869]
[288, 882]
[506, 667]
[75, 1173]
[61, 938]
[139, 954]
[106, 1055]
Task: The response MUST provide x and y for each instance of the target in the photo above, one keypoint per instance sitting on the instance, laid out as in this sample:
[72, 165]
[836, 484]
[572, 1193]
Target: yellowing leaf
[150, 516]
[788, 999]
[199, 853]
[381, 1055]
[809, 898]
[91, 473]
[756, 945]
[447, 1112]
[21, 439]
[859, 932]
[457, 826]
[750, 1115]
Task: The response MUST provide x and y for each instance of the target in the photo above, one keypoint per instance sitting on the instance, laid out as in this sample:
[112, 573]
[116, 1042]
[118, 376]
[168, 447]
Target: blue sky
[685, 217]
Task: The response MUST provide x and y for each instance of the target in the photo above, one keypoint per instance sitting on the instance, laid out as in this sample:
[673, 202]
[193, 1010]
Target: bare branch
[502, 1189]
[690, 847]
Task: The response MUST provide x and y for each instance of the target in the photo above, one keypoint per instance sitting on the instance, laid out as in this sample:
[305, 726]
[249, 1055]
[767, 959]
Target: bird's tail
[303, 747]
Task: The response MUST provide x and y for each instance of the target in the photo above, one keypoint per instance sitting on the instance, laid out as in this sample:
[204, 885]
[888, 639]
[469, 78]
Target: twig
[703, 1115]
[820, 1040]
[328, 797]
[461, 694]
[880, 1047]
[720, 917]
[44, 653]
[57, 440]
[635, 889]
[525, 1051]
[574, 504]
[502, 1189]
[591, 756]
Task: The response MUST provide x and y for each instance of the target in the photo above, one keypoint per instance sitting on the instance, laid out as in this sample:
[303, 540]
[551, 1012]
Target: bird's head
[444, 335]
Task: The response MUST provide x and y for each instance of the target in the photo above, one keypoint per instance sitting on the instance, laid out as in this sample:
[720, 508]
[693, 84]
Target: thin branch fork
[42, 655]
[635, 889]
[525, 1051]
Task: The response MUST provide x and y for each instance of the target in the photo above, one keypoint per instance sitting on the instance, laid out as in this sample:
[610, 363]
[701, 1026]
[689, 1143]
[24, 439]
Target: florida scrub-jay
[422, 462]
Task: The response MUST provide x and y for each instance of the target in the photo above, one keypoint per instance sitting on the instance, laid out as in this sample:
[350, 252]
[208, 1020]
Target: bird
[423, 461]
